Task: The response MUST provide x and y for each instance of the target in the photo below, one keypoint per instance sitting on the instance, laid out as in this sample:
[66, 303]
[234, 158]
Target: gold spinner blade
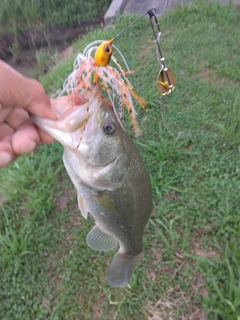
[165, 81]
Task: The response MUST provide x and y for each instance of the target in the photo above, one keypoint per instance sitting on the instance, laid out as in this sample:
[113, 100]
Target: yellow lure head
[103, 53]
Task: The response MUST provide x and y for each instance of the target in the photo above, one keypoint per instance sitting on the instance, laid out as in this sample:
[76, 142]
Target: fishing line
[131, 24]
[166, 78]
[89, 71]
[163, 112]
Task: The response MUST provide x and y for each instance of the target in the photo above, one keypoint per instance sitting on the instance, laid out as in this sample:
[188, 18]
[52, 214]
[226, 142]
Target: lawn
[18, 16]
[190, 144]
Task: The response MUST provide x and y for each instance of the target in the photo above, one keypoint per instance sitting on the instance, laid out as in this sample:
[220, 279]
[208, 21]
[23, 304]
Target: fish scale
[111, 181]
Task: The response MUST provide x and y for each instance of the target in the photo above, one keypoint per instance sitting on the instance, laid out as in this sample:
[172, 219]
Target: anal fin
[82, 207]
[100, 241]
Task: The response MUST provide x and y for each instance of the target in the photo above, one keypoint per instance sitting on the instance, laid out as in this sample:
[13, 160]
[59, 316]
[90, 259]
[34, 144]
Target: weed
[15, 243]
[45, 59]
[17, 16]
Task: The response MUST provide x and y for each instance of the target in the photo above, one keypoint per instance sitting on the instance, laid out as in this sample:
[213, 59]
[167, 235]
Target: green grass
[18, 15]
[191, 147]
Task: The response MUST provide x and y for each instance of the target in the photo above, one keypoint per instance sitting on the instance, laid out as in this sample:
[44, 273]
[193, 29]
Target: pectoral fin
[99, 240]
[82, 207]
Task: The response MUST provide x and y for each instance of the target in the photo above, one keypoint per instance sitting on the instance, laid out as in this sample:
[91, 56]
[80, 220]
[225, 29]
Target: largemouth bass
[110, 177]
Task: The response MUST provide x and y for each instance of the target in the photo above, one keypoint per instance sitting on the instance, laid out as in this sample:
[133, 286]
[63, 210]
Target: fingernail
[5, 158]
[29, 146]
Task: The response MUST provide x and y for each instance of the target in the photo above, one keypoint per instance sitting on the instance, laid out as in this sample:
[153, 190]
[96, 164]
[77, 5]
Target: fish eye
[109, 128]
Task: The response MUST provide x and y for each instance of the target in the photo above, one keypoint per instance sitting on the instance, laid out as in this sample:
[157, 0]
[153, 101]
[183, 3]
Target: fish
[112, 183]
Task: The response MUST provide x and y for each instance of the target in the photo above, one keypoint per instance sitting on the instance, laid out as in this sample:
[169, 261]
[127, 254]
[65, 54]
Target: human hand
[18, 96]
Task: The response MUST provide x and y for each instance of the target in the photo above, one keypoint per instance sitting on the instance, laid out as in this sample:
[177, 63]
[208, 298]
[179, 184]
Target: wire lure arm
[166, 78]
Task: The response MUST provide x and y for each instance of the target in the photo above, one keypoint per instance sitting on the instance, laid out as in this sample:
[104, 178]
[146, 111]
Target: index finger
[22, 92]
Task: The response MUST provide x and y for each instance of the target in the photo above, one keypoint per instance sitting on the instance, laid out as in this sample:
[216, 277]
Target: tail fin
[121, 268]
